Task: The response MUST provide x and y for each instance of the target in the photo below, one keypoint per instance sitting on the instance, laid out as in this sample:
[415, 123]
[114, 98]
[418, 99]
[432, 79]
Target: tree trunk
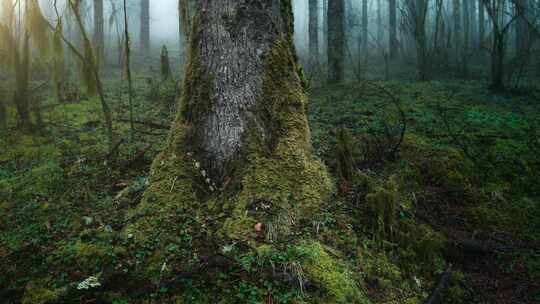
[457, 32]
[313, 34]
[393, 44]
[466, 38]
[3, 112]
[22, 77]
[417, 10]
[379, 22]
[474, 23]
[481, 24]
[238, 160]
[497, 62]
[99, 37]
[324, 21]
[145, 27]
[336, 41]
[522, 27]
[365, 36]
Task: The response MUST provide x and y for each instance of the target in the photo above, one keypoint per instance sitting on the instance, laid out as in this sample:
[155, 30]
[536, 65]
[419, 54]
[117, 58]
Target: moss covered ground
[459, 189]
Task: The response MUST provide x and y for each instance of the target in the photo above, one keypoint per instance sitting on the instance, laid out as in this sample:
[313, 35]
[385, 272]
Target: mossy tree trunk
[238, 167]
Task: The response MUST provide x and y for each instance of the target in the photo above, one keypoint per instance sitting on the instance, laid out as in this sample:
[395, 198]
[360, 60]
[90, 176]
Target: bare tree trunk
[457, 32]
[466, 38]
[379, 22]
[393, 44]
[417, 11]
[522, 27]
[99, 37]
[313, 34]
[496, 12]
[145, 26]
[127, 49]
[365, 36]
[22, 78]
[3, 112]
[324, 47]
[474, 23]
[336, 41]
[497, 62]
[481, 25]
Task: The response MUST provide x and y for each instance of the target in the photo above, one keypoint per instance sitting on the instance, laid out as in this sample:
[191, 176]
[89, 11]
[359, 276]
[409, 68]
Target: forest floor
[460, 166]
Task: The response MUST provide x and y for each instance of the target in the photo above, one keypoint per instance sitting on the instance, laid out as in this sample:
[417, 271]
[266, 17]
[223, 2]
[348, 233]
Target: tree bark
[365, 36]
[324, 21]
[145, 26]
[379, 21]
[241, 138]
[474, 23]
[313, 34]
[457, 32]
[522, 27]
[99, 37]
[336, 41]
[466, 38]
[481, 24]
[393, 44]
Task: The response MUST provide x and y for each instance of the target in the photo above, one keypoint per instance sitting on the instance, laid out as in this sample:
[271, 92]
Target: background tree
[392, 37]
[18, 41]
[336, 40]
[99, 33]
[313, 34]
[417, 11]
[497, 12]
[145, 26]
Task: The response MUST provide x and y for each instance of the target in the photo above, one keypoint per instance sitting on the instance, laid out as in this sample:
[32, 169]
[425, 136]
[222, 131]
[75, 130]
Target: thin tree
[17, 43]
[90, 69]
[393, 42]
[336, 41]
[99, 35]
[127, 49]
[416, 11]
[313, 34]
[501, 23]
[145, 26]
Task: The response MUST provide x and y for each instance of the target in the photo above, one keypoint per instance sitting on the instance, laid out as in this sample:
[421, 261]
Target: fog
[164, 18]
[164, 21]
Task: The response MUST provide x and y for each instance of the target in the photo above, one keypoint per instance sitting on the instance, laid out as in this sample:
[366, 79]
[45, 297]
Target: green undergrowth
[76, 227]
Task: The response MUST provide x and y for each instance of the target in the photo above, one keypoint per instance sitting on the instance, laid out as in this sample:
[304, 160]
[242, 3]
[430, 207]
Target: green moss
[310, 261]
[197, 88]
[87, 256]
[335, 279]
[286, 177]
[378, 269]
[384, 203]
[39, 292]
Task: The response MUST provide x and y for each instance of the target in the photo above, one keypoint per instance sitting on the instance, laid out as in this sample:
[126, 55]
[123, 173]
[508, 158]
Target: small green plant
[344, 155]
